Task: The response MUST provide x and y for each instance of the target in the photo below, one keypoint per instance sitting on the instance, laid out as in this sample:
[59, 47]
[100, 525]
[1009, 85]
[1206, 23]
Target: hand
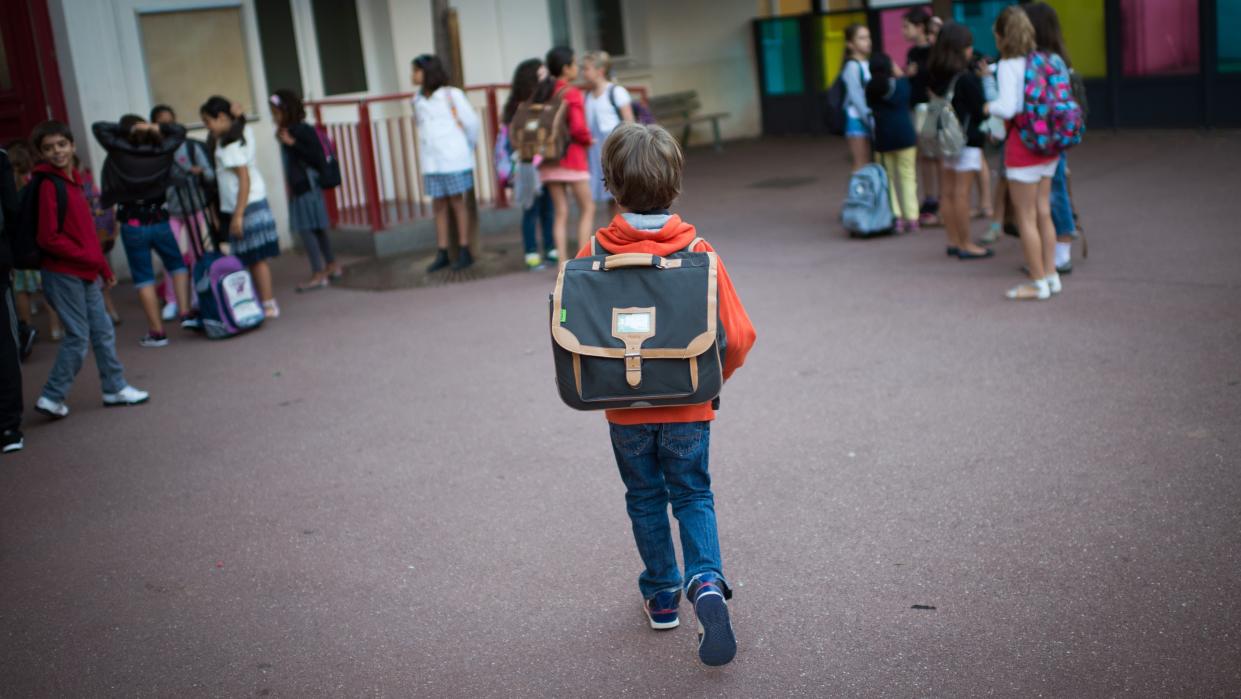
[285, 137]
[109, 282]
[234, 227]
[911, 69]
[237, 110]
[196, 170]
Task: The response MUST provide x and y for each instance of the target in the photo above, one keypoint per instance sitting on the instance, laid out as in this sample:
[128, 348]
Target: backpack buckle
[633, 368]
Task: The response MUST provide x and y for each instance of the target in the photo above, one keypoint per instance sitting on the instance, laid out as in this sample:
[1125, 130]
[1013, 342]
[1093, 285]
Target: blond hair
[642, 167]
[601, 60]
[1014, 33]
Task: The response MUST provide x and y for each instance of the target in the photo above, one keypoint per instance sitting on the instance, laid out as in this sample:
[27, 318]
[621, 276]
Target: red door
[29, 76]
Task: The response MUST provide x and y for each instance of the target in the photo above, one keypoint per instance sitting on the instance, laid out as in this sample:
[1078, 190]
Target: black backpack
[25, 234]
[834, 113]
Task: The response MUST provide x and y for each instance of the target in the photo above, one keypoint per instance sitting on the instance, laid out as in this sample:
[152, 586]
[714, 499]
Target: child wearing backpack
[186, 200]
[55, 210]
[447, 131]
[302, 154]
[27, 282]
[244, 212]
[571, 173]
[895, 140]
[1029, 173]
[951, 79]
[856, 74]
[537, 211]
[662, 452]
[607, 106]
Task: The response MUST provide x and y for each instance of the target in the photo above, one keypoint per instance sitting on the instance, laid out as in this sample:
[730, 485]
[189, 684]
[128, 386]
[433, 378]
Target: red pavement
[380, 494]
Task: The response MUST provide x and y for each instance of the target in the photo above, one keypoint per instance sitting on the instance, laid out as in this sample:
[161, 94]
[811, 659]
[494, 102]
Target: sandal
[967, 255]
[271, 310]
[313, 285]
[1030, 291]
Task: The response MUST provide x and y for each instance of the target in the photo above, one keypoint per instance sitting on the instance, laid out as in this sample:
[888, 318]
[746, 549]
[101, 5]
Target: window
[340, 46]
[782, 69]
[604, 27]
[1159, 37]
[279, 45]
[1228, 20]
[179, 43]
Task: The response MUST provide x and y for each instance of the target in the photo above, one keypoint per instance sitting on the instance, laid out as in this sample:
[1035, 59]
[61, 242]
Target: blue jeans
[542, 214]
[664, 464]
[79, 304]
[1061, 206]
[139, 241]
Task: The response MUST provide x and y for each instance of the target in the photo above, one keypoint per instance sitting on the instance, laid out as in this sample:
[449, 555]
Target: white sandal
[1030, 291]
[271, 309]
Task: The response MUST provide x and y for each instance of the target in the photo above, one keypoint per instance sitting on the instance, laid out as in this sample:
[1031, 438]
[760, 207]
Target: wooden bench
[676, 110]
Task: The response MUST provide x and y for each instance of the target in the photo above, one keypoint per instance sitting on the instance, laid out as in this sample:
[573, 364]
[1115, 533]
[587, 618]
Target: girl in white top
[1028, 173]
[447, 128]
[244, 212]
[607, 106]
[856, 74]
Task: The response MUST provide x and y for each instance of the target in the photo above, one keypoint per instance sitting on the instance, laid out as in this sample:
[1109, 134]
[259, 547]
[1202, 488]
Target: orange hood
[620, 237]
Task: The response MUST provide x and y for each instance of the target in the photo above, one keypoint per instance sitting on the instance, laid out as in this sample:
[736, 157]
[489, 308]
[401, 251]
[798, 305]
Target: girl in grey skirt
[303, 157]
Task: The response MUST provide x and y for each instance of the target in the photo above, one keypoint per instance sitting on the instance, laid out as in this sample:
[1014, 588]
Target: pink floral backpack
[1050, 120]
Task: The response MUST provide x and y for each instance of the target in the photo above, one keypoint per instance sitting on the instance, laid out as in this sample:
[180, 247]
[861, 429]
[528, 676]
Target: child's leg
[547, 220]
[683, 451]
[53, 321]
[22, 300]
[586, 213]
[984, 188]
[646, 499]
[947, 203]
[439, 207]
[1046, 228]
[859, 150]
[103, 341]
[529, 220]
[68, 294]
[907, 175]
[313, 254]
[462, 214]
[888, 161]
[560, 223]
[261, 272]
[1025, 212]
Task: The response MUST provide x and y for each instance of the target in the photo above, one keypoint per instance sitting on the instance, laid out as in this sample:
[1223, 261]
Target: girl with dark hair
[447, 128]
[244, 211]
[895, 140]
[950, 77]
[302, 155]
[1048, 38]
[1029, 174]
[191, 177]
[856, 72]
[916, 28]
[135, 178]
[535, 201]
[572, 172]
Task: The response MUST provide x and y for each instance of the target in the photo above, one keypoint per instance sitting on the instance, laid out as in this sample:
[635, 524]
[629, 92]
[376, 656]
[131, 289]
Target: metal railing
[377, 146]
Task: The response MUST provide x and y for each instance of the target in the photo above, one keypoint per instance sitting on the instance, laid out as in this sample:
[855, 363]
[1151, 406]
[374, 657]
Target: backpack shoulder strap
[596, 248]
[952, 87]
[692, 244]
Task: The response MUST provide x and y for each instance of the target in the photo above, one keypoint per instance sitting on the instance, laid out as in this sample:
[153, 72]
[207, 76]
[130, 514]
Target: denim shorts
[856, 128]
[1061, 204]
[139, 241]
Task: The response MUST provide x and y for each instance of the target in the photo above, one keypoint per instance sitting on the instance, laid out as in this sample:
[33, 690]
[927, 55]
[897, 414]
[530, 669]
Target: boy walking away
[73, 264]
[662, 452]
[10, 344]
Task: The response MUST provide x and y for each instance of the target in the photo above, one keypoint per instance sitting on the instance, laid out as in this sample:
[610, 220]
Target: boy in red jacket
[73, 264]
[662, 452]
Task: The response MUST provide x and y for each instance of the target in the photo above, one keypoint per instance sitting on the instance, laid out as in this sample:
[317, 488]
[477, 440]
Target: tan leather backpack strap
[693, 244]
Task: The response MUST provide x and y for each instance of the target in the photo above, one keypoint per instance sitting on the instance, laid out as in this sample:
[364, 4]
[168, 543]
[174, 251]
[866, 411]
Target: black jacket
[136, 173]
[8, 215]
[894, 128]
[304, 155]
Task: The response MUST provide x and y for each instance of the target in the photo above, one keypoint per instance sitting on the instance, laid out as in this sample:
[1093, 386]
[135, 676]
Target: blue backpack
[867, 210]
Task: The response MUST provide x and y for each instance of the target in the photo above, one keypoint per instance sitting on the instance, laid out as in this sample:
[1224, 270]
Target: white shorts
[968, 160]
[1031, 174]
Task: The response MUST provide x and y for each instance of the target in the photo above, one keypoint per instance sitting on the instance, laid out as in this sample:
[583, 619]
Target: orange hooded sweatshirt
[620, 237]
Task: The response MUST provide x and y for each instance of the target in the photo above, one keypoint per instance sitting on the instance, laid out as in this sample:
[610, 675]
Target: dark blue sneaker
[716, 643]
[661, 610]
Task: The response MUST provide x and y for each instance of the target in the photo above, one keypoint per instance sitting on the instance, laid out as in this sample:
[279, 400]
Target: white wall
[97, 46]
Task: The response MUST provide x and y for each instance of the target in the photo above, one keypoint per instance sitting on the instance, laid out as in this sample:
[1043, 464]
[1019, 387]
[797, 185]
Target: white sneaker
[51, 408]
[1053, 283]
[126, 396]
[1038, 290]
[170, 311]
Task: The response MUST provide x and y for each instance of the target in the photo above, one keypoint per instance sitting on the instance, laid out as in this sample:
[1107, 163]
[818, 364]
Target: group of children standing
[885, 109]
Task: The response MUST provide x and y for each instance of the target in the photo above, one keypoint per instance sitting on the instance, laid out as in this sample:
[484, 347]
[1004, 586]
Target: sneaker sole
[54, 416]
[125, 403]
[661, 625]
[10, 448]
[716, 645]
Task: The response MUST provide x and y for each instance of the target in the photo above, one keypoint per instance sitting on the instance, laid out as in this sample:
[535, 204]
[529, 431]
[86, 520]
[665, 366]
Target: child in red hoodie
[662, 452]
[73, 264]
